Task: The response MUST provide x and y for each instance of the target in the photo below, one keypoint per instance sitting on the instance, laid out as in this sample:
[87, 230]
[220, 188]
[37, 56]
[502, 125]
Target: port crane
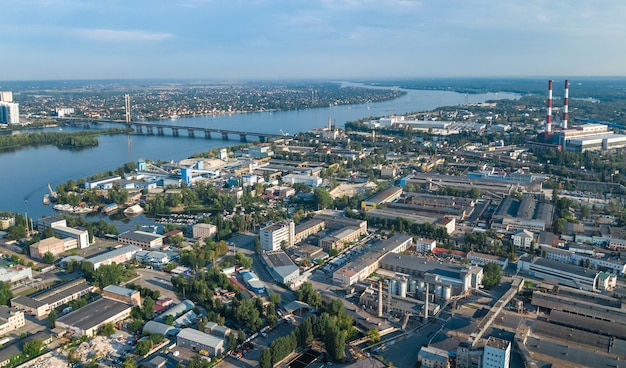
[53, 194]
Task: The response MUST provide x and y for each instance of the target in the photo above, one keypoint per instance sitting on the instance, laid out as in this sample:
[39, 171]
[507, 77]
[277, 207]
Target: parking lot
[156, 280]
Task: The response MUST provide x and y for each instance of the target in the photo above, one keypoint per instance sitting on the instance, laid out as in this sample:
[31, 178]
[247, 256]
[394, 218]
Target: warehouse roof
[94, 313]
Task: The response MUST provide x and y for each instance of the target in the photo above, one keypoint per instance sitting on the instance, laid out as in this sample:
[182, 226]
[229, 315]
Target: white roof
[200, 337]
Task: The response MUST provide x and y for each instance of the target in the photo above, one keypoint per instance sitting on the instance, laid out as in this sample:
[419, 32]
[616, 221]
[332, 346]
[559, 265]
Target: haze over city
[247, 39]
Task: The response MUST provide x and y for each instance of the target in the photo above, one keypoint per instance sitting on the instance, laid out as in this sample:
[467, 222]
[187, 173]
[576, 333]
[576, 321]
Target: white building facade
[276, 235]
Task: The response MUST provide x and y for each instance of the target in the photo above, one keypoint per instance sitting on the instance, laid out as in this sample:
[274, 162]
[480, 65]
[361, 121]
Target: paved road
[244, 243]
[156, 280]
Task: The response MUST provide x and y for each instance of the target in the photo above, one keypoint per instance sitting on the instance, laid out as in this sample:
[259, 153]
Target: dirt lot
[156, 280]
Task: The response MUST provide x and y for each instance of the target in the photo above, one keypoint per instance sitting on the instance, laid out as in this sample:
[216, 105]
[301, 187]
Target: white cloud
[113, 35]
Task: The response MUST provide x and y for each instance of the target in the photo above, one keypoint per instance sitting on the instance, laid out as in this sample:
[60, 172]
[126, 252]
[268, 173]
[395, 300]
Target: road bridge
[149, 128]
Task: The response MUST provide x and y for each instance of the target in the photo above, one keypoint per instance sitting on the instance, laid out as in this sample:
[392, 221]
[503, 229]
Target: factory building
[122, 294]
[384, 196]
[119, 255]
[41, 304]
[86, 321]
[523, 214]
[565, 274]
[362, 267]
[497, 353]
[59, 226]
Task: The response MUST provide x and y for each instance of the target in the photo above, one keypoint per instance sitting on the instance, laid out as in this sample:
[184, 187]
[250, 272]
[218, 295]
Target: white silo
[447, 292]
[403, 287]
[439, 291]
[420, 286]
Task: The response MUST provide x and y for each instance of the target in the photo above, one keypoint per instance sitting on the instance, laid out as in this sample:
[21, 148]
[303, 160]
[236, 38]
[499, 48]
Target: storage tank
[420, 286]
[394, 287]
[447, 292]
[403, 287]
[438, 292]
[412, 286]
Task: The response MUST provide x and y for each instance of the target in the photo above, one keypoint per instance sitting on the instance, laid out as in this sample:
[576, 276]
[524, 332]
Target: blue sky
[339, 39]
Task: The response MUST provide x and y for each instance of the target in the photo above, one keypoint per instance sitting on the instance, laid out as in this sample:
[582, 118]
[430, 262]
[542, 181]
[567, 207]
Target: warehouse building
[87, 320]
[195, 340]
[41, 304]
[122, 294]
[280, 266]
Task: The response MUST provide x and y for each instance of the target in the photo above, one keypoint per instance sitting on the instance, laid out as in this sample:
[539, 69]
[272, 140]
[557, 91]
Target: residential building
[6, 96]
[10, 320]
[275, 236]
[195, 340]
[9, 113]
[203, 231]
[423, 245]
[497, 353]
[522, 239]
[141, 239]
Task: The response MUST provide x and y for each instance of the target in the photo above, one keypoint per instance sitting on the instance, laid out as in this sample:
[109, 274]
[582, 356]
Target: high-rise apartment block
[9, 113]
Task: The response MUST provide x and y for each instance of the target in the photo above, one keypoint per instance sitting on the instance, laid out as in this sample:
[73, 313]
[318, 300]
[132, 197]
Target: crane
[283, 133]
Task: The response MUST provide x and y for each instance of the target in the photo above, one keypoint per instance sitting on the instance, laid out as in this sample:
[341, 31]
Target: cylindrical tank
[394, 287]
[412, 286]
[420, 286]
[447, 292]
[403, 286]
[439, 291]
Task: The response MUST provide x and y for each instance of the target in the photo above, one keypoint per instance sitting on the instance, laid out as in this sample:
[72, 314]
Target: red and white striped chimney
[565, 105]
[549, 115]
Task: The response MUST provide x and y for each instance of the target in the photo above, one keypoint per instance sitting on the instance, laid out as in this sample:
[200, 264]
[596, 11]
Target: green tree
[323, 199]
[275, 298]
[129, 362]
[48, 233]
[143, 347]
[232, 341]
[32, 348]
[107, 329]
[52, 317]
[374, 335]
[265, 361]
[5, 293]
[257, 245]
[48, 258]
[135, 325]
[148, 307]
[492, 275]
[169, 320]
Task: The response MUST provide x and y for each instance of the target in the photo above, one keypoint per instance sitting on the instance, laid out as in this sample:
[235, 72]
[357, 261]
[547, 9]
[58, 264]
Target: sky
[310, 39]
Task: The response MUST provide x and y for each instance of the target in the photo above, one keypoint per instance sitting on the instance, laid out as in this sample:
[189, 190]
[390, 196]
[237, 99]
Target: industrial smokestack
[426, 304]
[549, 115]
[565, 105]
[380, 299]
[329, 123]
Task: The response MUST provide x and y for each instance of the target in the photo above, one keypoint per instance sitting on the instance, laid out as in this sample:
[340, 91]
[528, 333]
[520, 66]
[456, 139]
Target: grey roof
[6, 312]
[139, 236]
[308, 224]
[61, 292]
[114, 289]
[277, 259]
[94, 313]
[114, 253]
[421, 265]
[565, 267]
[157, 327]
[177, 310]
[615, 328]
[26, 301]
[384, 195]
[200, 337]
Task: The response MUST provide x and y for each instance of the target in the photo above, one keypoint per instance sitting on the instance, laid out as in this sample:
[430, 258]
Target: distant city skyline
[320, 39]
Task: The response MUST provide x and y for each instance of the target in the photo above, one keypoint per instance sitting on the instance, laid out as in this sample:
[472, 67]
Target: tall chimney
[566, 105]
[329, 123]
[380, 299]
[549, 115]
[426, 304]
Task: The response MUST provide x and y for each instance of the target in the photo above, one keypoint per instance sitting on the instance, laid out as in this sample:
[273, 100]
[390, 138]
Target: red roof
[440, 251]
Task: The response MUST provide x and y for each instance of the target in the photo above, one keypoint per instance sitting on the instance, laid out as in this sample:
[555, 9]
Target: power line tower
[127, 105]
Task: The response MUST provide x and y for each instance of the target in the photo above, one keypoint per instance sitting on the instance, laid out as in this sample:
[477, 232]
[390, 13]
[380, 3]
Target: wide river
[26, 172]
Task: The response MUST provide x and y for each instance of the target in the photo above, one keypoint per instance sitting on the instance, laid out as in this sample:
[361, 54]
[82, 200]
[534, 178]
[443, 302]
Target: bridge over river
[141, 127]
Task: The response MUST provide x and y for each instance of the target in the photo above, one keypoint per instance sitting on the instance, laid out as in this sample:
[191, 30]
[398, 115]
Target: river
[27, 172]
